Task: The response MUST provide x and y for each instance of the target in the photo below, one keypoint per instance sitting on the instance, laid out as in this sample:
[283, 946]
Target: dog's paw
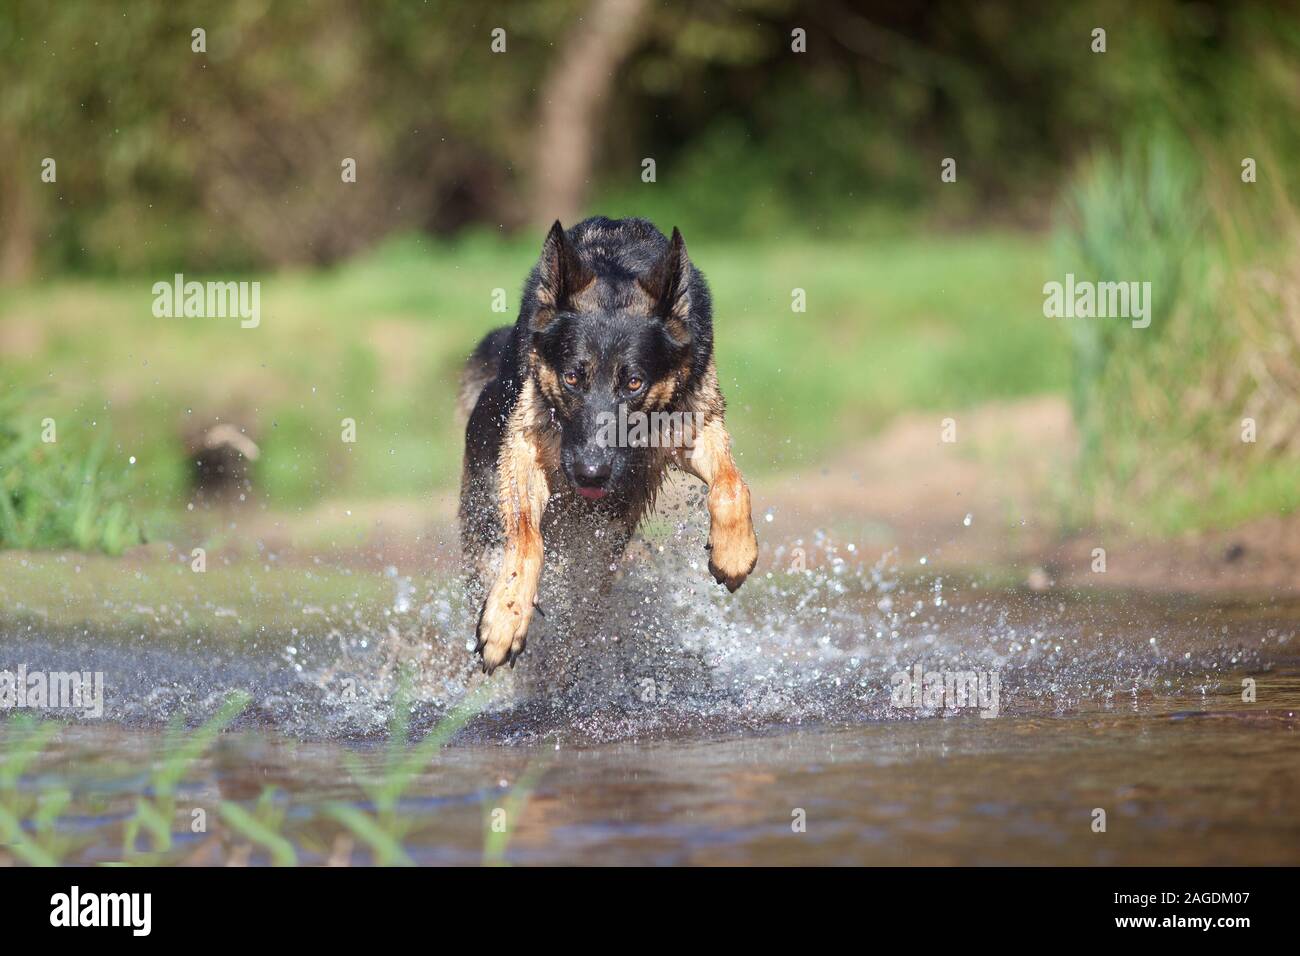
[733, 550]
[502, 628]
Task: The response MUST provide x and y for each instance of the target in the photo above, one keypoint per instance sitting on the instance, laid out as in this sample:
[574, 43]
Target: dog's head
[610, 344]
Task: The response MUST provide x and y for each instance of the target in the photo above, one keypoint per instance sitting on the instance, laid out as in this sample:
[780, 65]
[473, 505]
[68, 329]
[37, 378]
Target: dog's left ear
[668, 285]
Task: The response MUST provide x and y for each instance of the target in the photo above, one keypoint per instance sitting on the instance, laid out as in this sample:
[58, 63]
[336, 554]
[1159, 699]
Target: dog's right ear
[562, 275]
[668, 285]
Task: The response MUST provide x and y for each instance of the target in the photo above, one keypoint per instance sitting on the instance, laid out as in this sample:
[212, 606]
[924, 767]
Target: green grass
[384, 828]
[1160, 409]
[918, 323]
[930, 323]
[155, 809]
[34, 803]
[234, 602]
[58, 494]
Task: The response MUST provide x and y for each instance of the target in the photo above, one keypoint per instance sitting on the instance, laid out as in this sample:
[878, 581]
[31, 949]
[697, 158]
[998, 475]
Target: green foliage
[1130, 218]
[58, 494]
[816, 170]
[28, 818]
[261, 826]
[31, 807]
[230, 159]
[497, 841]
[155, 810]
[384, 828]
[892, 325]
[1161, 410]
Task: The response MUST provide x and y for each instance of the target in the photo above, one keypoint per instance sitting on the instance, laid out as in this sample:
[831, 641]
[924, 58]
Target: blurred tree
[576, 89]
[231, 157]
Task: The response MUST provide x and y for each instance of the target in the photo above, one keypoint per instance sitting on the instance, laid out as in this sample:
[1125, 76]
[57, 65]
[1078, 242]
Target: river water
[778, 725]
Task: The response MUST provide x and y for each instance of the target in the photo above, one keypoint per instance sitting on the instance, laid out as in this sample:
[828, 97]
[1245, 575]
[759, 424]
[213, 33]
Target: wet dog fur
[613, 314]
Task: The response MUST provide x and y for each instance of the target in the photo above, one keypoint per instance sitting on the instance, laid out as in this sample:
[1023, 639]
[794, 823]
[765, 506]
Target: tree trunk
[572, 96]
[18, 246]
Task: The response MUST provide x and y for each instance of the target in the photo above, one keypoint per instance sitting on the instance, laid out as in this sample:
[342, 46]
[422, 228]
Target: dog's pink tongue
[592, 493]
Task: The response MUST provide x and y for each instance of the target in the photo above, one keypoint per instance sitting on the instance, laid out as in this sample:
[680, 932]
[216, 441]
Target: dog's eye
[571, 379]
[634, 384]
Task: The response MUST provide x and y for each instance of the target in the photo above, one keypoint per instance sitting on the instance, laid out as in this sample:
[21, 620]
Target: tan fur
[707, 397]
[547, 380]
[677, 329]
[660, 394]
[545, 313]
[584, 299]
[526, 470]
[733, 546]
[640, 301]
[579, 300]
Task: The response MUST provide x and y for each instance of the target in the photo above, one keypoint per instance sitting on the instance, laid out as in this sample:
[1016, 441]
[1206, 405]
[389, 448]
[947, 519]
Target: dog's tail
[480, 368]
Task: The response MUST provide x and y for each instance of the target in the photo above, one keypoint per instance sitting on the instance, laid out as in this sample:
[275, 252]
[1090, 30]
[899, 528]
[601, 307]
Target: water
[691, 726]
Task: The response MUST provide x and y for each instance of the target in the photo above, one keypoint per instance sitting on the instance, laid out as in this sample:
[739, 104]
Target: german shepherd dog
[615, 325]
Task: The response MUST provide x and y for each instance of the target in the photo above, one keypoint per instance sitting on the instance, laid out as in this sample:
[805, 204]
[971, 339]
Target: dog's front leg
[523, 490]
[733, 547]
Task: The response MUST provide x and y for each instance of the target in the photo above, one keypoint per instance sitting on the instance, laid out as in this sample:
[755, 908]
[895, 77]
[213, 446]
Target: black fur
[641, 309]
[604, 383]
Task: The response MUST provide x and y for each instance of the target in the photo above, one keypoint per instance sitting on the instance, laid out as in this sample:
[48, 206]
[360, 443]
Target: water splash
[816, 636]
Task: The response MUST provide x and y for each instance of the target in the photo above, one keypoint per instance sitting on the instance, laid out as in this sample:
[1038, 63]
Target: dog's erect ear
[668, 285]
[562, 273]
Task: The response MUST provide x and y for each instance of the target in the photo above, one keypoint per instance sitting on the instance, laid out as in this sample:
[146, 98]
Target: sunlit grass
[1162, 410]
[923, 322]
[231, 601]
[931, 323]
[58, 494]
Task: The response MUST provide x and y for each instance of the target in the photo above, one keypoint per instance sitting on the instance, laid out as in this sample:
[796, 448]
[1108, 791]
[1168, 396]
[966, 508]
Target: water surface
[696, 727]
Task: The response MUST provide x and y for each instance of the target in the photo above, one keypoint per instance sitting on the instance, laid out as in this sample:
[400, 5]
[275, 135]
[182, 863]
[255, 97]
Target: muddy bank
[989, 501]
[988, 504]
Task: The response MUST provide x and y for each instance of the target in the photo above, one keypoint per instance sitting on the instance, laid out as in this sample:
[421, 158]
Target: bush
[1164, 411]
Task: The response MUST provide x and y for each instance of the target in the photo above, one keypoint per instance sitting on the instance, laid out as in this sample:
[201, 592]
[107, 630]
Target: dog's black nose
[591, 474]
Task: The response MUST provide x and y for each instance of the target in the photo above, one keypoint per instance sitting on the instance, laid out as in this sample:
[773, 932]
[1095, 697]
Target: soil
[993, 500]
[1007, 470]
